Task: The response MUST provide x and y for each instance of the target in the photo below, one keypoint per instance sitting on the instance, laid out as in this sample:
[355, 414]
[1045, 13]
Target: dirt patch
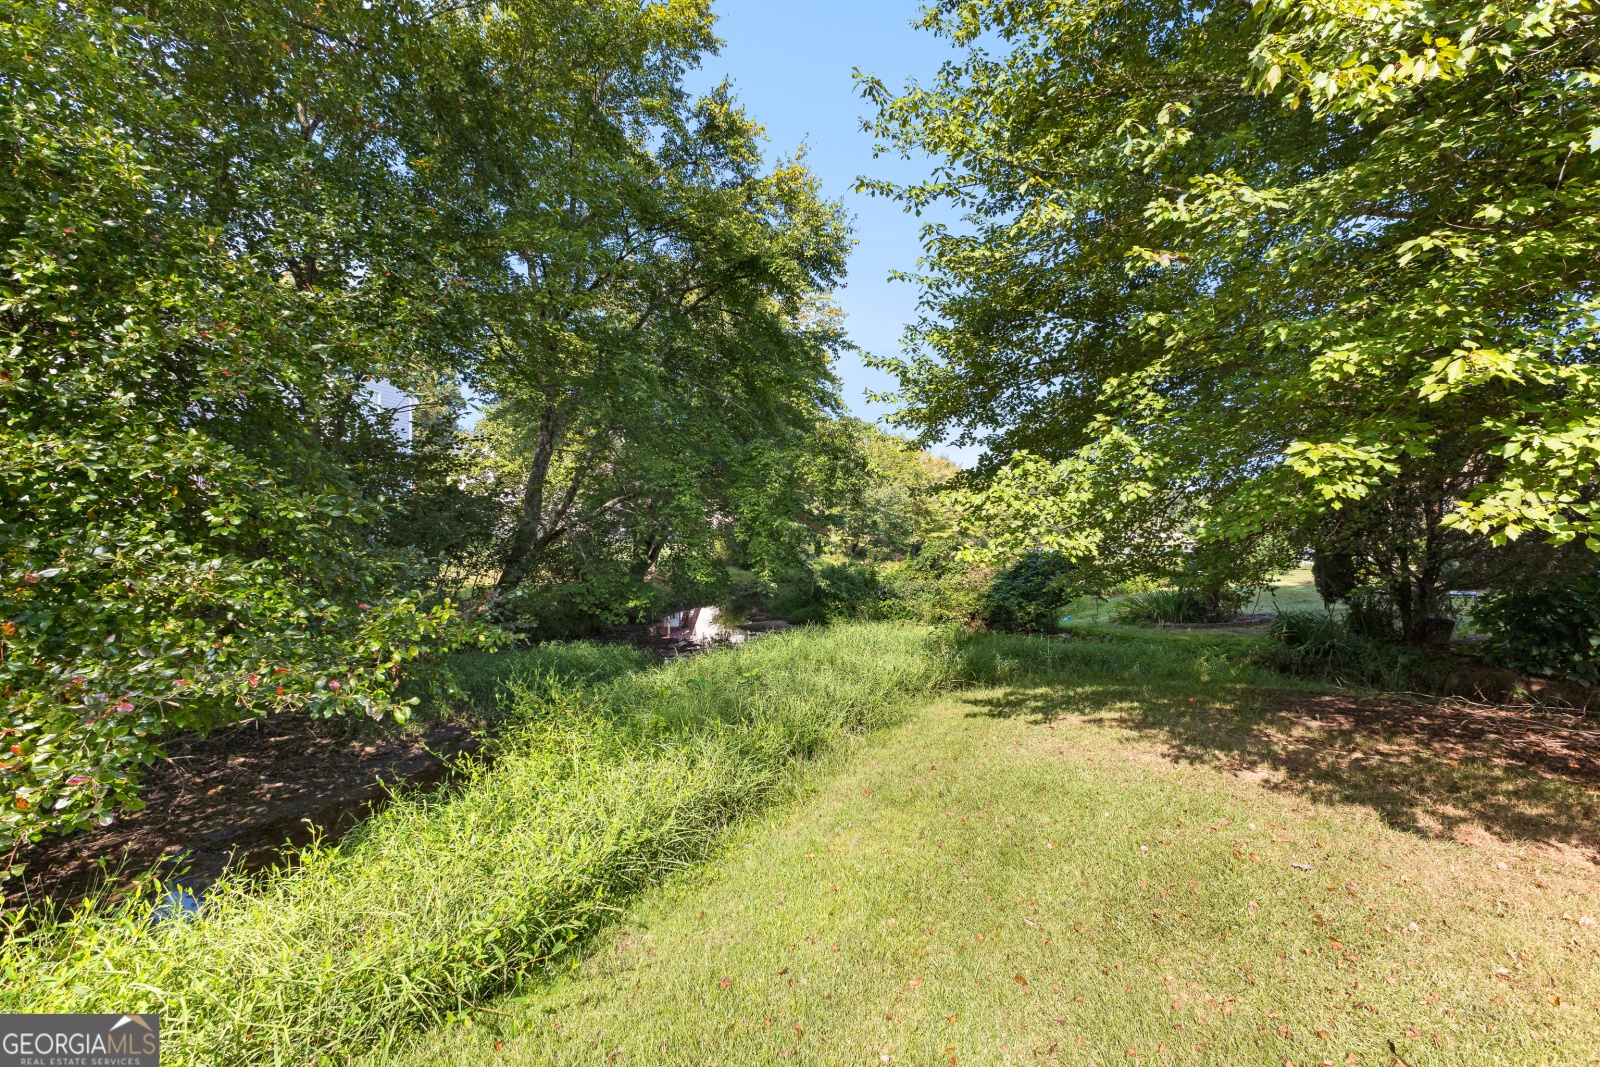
[240, 796]
[1550, 740]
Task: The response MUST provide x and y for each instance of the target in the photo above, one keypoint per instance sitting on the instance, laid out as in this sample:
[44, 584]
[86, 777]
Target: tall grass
[1113, 656]
[445, 899]
[1316, 644]
[1170, 606]
[491, 680]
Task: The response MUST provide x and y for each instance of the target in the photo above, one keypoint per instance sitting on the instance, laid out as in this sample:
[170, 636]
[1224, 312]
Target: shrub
[584, 604]
[836, 592]
[935, 586]
[1546, 630]
[1181, 605]
[1027, 596]
[448, 898]
[1320, 645]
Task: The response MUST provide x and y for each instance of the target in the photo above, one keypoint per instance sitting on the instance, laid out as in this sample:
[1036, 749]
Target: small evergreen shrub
[1548, 630]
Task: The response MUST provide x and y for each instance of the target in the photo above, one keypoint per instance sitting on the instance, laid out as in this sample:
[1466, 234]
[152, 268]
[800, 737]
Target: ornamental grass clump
[448, 898]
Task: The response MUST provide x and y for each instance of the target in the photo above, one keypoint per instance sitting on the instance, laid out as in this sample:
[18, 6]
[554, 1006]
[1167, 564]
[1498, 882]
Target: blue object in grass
[181, 902]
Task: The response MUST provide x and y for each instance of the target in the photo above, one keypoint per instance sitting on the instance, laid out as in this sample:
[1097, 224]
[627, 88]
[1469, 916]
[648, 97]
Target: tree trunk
[531, 537]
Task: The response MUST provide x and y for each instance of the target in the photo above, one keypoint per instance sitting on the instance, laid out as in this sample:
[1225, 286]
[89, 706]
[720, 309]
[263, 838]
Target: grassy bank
[1108, 851]
[445, 900]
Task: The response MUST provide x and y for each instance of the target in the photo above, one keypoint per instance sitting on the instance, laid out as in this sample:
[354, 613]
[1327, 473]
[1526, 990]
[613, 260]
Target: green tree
[1250, 267]
[898, 502]
[653, 299]
[213, 236]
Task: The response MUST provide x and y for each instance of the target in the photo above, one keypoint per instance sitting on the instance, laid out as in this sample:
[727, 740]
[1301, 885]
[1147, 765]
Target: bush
[1028, 596]
[1315, 644]
[1181, 605]
[836, 592]
[935, 586]
[1162, 606]
[581, 606]
[1550, 631]
[445, 899]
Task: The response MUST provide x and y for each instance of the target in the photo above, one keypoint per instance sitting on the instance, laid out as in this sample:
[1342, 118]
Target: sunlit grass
[1075, 867]
[1293, 590]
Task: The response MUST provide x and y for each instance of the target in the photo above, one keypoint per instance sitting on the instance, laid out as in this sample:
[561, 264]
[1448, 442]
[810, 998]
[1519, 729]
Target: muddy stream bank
[244, 796]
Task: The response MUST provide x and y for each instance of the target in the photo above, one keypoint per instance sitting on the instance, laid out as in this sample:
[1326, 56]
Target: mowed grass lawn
[1076, 867]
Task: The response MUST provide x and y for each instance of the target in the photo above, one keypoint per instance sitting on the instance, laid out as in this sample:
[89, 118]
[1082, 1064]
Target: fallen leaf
[726, 982]
[916, 983]
[1019, 979]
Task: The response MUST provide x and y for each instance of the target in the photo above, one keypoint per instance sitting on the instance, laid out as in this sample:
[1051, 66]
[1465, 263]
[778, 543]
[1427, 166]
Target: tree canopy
[221, 223]
[1235, 270]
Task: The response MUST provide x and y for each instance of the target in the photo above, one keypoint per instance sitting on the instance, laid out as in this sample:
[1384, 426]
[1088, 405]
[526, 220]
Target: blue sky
[790, 61]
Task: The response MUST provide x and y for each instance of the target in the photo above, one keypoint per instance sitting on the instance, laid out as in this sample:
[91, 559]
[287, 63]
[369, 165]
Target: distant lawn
[1291, 591]
[1109, 853]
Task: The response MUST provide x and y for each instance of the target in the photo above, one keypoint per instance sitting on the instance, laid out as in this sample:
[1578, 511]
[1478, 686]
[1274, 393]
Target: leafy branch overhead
[1308, 261]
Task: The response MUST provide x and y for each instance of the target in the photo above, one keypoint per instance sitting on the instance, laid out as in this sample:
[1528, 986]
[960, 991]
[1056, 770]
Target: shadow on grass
[1524, 775]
